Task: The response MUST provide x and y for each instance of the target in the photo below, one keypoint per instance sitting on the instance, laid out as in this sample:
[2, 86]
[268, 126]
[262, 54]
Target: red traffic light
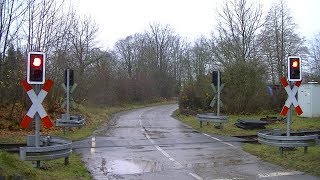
[36, 68]
[295, 64]
[36, 62]
[294, 68]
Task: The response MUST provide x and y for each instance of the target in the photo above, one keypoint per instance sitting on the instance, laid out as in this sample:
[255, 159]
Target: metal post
[68, 93]
[218, 98]
[281, 151]
[289, 114]
[37, 124]
[66, 160]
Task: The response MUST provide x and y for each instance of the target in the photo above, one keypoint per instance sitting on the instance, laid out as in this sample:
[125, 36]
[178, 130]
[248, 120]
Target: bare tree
[315, 55]
[83, 33]
[152, 61]
[160, 41]
[125, 50]
[83, 40]
[187, 73]
[160, 38]
[102, 89]
[11, 18]
[41, 23]
[279, 40]
[202, 56]
[234, 46]
[238, 25]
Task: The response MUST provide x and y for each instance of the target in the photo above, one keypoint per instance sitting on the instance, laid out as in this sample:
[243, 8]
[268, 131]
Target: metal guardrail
[211, 117]
[275, 138]
[12, 147]
[52, 148]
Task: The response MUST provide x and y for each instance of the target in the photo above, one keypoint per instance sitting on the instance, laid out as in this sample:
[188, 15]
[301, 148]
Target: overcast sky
[117, 19]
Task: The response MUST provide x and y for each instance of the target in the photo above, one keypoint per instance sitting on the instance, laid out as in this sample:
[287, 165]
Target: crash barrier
[276, 138]
[211, 117]
[70, 121]
[50, 148]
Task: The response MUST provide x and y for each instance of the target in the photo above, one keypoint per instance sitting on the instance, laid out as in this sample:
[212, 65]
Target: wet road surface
[149, 144]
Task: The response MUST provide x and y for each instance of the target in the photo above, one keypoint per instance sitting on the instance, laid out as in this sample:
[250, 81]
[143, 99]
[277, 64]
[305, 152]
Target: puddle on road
[131, 166]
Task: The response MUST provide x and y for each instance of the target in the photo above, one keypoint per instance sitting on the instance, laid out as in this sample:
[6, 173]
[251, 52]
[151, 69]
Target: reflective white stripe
[215, 138]
[277, 174]
[288, 103]
[228, 144]
[156, 146]
[42, 95]
[291, 96]
[196, 176]
[42, 112]
[36, 103]
[147, 136]
[235, 178]
[32, 111]
[162, 151]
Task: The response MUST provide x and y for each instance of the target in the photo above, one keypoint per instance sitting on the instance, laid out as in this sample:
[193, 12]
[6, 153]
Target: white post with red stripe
[286, 110]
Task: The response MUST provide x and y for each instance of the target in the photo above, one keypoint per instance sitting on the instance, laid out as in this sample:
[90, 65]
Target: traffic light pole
[289, 115]
[218, 100]
[289, 120]
[68, 93]
[37, 123]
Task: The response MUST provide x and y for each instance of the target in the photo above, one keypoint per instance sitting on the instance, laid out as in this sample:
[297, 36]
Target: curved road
[149, 144]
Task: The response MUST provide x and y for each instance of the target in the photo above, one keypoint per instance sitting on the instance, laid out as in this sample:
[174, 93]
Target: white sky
[117, 19]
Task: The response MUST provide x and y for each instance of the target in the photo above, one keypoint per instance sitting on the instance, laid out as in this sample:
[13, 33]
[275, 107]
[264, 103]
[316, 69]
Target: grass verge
[12, 168]
[293, 159]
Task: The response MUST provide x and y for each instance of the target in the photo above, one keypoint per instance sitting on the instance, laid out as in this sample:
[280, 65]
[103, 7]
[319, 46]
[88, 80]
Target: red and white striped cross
[36, 104]
[291, 97]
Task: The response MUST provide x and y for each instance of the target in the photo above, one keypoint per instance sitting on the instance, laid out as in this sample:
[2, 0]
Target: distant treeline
[249, 48]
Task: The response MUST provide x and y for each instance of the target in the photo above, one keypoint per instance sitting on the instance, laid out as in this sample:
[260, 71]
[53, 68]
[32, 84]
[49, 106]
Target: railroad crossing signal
[36, 68]
[72, 89]
[36, 106]
[71, 77]
[68, 86]
[217, 88]
[291, 97]
[215, 78]
[294, 68]
[215, 98]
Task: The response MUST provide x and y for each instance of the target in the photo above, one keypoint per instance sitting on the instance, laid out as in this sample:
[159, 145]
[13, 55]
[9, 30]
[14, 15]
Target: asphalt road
[149, 144]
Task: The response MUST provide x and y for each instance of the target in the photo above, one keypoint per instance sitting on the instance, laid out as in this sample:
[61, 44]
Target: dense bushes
[245, 91]
[246, 88]
[196, 97]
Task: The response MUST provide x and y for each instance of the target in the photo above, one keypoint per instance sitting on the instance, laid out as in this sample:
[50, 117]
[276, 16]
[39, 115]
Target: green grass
[296, 160]
[94, 116]
[13, 139]
[292, 159]
[11, 167]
